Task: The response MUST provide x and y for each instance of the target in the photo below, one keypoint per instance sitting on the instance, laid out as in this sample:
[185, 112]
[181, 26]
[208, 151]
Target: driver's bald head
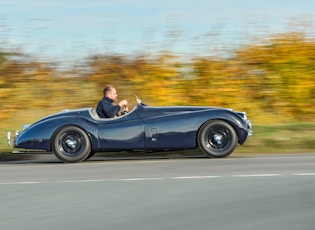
[110, 92]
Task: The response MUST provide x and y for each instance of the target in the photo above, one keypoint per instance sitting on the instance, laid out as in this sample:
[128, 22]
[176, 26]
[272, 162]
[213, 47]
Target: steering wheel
[124, 111]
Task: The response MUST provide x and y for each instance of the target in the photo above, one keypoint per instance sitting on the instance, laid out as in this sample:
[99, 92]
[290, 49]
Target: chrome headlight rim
[249, 127]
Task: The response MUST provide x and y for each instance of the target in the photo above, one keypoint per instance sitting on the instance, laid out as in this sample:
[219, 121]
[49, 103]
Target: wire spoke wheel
[217, 139]
[71, 144]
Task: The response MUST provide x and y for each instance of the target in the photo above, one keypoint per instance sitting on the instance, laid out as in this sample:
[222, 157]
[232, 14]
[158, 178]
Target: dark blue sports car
[75, 135]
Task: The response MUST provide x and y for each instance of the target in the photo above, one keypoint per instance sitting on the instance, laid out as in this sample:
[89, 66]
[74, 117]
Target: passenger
[105, 108]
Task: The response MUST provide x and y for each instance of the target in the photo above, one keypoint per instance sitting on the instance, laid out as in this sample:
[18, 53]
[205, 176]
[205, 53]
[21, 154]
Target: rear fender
[40, 135]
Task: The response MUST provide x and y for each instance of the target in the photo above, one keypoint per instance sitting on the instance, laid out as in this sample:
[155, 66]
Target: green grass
[289, 138]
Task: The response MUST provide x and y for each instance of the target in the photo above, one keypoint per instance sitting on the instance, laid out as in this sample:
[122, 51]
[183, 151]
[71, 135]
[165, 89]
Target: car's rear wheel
[91, 154]
[71, 144]
[217, 139]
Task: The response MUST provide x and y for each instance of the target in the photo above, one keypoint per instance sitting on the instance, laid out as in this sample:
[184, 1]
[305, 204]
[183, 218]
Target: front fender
[238, 123]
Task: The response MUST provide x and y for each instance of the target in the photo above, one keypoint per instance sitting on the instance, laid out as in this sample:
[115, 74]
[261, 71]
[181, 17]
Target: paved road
[254, 192]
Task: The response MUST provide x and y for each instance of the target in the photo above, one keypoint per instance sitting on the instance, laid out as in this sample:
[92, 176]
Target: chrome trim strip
[9, 139]
[249, 128]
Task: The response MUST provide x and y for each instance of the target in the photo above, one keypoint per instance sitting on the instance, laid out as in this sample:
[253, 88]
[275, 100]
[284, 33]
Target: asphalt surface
[252, 192]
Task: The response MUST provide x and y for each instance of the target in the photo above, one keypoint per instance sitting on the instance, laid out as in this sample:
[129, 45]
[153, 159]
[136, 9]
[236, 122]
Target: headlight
[242, 115]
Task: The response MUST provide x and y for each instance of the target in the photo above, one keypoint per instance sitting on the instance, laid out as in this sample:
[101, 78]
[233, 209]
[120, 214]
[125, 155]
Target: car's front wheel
[71, 144]
[217, 139]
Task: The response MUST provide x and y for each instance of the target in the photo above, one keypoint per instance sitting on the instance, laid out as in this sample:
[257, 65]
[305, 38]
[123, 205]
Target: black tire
[90, 155]
[217, 139]
[71, 144]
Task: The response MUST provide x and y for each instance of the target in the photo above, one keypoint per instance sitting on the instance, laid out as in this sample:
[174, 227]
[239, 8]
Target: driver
[105, 108]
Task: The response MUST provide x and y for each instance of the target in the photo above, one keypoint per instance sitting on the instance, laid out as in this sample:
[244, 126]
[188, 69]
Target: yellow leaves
[274, 76]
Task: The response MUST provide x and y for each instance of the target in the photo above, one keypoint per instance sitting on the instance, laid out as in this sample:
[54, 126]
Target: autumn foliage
[273, 80]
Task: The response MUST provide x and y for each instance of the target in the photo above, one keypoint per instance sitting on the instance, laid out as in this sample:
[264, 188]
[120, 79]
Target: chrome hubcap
[71, 144]
[218, 139]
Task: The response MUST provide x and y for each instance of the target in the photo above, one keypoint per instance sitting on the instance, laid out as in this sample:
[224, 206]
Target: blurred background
[248, 56]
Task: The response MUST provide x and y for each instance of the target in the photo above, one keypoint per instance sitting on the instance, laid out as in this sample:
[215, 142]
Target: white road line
[303, 174]
[140, 179]
[257, 175]
[158, 178]
[194, 177]
[20, 182]
[76, 181]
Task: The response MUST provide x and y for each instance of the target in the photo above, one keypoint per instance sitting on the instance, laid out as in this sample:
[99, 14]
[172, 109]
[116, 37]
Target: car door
[170, 132]
[121, 133]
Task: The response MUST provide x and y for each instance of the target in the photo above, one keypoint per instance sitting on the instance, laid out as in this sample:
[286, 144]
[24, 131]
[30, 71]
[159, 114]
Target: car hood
[178, 109]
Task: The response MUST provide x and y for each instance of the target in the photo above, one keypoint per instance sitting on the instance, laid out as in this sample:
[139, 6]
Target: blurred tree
[158, 79]
[281, 73]
[274, 76]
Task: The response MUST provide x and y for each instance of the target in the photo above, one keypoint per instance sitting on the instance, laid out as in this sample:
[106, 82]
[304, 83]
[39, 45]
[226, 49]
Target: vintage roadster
[75, 135]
